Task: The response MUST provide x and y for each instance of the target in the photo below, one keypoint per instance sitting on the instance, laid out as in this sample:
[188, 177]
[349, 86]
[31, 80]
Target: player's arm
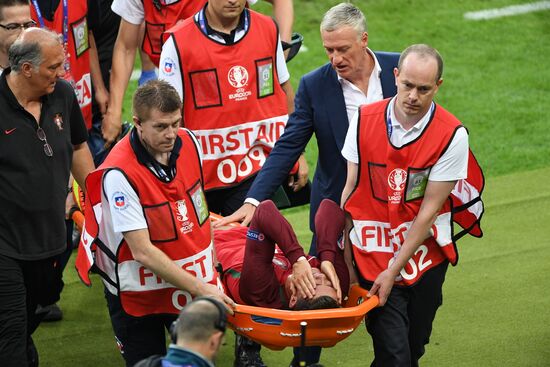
[436, 194]
[124, 53]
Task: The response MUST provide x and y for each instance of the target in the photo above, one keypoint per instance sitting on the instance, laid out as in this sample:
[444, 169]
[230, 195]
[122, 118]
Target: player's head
[325, 295]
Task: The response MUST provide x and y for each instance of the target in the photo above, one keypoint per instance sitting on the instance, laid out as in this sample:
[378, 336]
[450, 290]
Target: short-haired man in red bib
[405, 157]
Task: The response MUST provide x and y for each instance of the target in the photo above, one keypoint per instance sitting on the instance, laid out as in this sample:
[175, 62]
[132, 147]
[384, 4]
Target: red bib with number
[233, 101]
[177, 220]
[389, 192]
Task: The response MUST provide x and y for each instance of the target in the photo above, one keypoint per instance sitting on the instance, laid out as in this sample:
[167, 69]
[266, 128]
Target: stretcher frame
[277, 329]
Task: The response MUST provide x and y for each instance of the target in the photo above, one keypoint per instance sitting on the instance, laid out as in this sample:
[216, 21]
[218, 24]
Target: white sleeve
[453, 164]
[129, 10]
[252, 2]
[349, 151]
[169, 66]
[282, 70]
[197, 145]
[123, 203]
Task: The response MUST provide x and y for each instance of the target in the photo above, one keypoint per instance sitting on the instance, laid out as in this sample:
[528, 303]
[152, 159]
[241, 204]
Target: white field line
[135, 74]
[507, 11]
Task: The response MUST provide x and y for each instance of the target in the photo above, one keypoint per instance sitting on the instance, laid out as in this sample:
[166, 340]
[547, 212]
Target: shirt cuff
[252, 201]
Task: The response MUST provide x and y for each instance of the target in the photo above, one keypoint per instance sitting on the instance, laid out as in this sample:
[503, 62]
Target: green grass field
[497, 300]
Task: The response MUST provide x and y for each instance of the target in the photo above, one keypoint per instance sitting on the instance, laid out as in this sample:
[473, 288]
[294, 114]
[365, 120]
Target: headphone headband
[220, 324]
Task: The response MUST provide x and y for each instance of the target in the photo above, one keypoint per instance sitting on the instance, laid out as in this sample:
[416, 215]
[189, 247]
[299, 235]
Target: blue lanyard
[202, 20]
[65, 20]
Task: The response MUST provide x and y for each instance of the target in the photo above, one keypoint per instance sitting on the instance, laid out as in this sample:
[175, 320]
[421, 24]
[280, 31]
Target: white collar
[420, 125]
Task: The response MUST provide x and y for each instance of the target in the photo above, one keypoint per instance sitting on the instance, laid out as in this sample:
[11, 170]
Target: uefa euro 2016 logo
[237, 76]
[397, 178]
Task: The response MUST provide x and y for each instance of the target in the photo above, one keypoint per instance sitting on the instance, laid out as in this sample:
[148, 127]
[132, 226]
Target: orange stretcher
[277, 329]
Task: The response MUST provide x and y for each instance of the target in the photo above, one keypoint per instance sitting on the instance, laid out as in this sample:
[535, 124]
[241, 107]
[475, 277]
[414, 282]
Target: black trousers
[23, 286]
[137, 337]
[402, 327]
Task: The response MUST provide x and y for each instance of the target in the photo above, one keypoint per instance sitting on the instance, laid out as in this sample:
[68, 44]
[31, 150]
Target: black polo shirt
[33, 186]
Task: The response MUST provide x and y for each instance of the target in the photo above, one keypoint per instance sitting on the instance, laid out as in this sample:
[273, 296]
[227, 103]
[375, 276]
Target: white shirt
[132, 10]
[451, 166]
[354, 97]
[169, 55]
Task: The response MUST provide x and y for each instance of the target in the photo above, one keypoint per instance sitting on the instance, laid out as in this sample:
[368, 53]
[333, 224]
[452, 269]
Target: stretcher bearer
[228, 66]
[148, 223]
[410, 174]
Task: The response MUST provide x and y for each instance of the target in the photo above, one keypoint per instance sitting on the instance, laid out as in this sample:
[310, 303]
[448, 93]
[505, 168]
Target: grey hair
[423, 51]
[21, 52]
[28, 48]
[344, 14]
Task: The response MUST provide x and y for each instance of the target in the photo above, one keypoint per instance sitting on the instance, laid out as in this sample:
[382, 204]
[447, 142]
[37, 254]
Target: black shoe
[247, 353]
[52, 312]
[32, 353]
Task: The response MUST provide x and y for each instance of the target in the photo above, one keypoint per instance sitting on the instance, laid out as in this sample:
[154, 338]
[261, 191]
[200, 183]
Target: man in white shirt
[404, 157]
[146, 208]
[133, 14]
[222, 78]
[325, 102]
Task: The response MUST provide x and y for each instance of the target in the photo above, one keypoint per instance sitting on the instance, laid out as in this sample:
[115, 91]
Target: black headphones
[220, 324]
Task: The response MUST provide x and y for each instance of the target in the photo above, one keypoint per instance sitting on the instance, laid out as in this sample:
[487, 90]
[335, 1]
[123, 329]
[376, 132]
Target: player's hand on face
[210, 290]
[302, 278]
[244, 215]
[382, 286]
[327, 268]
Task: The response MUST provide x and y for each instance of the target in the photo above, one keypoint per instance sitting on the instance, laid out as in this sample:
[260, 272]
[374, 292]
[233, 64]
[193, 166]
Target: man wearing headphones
[197, 335]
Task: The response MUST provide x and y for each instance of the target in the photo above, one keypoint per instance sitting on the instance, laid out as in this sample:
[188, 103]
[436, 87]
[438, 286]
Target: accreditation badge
[416, 185]
[199, 202]
[264, 72]
[80, 36]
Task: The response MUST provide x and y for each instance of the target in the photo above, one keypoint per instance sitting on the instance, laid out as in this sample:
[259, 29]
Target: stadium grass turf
[496, 300]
